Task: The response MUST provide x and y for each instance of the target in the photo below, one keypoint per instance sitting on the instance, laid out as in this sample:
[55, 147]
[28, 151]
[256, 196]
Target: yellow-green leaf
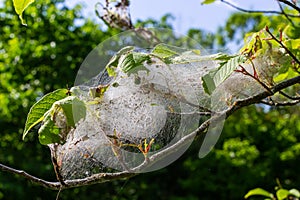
[260, 192]
[164, 51]
[48, 132]
[226, 70]
[282, 194]
[208, 1]
[72, 108]
[20, 6]
[290, 73]
[37, 111]
[133, 62]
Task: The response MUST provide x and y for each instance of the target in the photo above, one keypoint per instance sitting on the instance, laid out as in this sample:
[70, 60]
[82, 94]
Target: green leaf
[164, 51]
[284, 76]
[292, 31]
[20, 6]
[216, 76]
[48, 132]
[111, 70]
[281, 77]
[208, 82]
[188, 56]
[295, 193]
[114, 61]
[227, 68]
[176, 55]
[139, 58]
[282, 194]
[37, 111]
[72, 108]
[258, 191]
[292, 44]
[222, 57]
[207, 1]
[133, 62]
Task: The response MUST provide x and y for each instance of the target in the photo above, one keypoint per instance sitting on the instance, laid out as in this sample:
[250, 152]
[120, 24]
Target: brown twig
[259, 97]
[245, 72]
[97, 178]
[39, 181]
[289, 96]
[282, 45]
[284, 13]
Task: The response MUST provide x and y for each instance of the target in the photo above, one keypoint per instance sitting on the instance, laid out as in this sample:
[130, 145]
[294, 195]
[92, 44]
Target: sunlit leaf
[282, 194]
[48, 132]
[176, 55]
[133, 62]
[208, 1]
[292, 44]
[226, 70]
[37, 111]
[163, 51]
[258, 191]
[286, 75]
[20, 6]
[72, 108]
[213, 79]
[114, 61]
[295, 193]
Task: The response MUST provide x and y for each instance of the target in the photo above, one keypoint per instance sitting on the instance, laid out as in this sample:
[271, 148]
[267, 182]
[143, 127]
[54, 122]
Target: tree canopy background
[258, 143]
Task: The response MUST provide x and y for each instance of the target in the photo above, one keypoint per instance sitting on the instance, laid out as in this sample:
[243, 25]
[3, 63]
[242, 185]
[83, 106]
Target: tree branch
[287, 103]
[257, 11]
[286, 16]
[283, 46]
[257, 98]
[286, 84]
[39, 181]
[97, 178]
[105, 177]
[290, 4]
[288, 96]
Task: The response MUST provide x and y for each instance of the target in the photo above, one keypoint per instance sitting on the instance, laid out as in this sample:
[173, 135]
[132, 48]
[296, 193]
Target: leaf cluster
[281, 194]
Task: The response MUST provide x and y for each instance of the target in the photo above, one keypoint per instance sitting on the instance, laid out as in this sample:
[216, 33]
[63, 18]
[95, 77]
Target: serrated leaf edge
[27, 129]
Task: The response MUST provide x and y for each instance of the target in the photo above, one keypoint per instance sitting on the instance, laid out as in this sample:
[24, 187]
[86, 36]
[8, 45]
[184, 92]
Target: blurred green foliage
[35, 60]
[238, 24]
[258, 144]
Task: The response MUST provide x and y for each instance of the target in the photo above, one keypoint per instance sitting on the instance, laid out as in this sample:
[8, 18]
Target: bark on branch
[105, 177]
